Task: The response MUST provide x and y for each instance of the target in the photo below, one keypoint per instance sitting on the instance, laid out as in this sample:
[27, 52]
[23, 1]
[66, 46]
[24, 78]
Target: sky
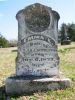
[9, 9]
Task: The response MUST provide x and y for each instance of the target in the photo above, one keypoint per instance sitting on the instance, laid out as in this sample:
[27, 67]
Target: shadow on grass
[5, 96]
[15, 96]
[14, 50]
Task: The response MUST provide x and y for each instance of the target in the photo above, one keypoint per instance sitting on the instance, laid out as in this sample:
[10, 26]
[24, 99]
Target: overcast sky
[9, 8]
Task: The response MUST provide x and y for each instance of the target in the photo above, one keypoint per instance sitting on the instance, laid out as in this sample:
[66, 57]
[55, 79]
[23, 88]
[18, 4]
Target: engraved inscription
[39, 51]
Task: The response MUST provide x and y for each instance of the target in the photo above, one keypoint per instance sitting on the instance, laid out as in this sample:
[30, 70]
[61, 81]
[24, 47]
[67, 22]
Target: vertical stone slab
[37, 58]
[37, 41]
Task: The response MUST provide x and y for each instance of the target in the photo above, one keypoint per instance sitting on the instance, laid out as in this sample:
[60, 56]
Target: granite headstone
[37, 42]
[37, 59]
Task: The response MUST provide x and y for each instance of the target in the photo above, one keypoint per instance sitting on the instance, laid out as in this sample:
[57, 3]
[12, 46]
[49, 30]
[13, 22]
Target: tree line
[4, 43]
[70, 31]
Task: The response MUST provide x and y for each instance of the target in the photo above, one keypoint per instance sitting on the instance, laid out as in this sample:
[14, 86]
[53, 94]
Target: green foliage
[12, 99]
[13, 43]
[60, 94]
[3, 42]
[62, 32]
[70, 31]
[63, 51]
[32, 98]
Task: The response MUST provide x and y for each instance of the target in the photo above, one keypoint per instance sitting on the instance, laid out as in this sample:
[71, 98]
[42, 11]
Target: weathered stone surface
[37, 47]
[20, 85]
[37, 59]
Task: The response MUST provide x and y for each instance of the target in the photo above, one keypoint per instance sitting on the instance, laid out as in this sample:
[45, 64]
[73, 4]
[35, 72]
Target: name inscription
[37, 37]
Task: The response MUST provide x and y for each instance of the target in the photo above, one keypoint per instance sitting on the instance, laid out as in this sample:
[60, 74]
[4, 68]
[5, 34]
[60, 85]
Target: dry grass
[67, 65]
[7, 63]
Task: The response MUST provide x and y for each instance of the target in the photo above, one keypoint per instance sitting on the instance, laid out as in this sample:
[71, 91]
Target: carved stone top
[38, 17]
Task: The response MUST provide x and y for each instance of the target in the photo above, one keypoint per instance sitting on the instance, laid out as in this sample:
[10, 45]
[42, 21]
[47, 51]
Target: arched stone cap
[35, 4]
[56, 15]
[38, 17]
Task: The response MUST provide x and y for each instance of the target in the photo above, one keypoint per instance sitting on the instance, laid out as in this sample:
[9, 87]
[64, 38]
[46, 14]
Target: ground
[67, 66]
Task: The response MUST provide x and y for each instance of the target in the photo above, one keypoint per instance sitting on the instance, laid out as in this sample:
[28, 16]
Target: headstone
[37, 60]
[37, 43]
[65, 40]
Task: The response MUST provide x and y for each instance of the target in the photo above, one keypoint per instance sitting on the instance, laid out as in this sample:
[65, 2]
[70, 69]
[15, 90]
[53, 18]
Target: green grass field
[67, 66]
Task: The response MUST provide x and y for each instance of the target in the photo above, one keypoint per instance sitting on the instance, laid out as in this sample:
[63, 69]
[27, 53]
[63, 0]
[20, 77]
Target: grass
[67, 66]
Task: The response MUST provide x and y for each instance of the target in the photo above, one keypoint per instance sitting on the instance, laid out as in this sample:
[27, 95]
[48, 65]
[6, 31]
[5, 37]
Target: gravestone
[37, 50]
[37, 62]
[65, 39]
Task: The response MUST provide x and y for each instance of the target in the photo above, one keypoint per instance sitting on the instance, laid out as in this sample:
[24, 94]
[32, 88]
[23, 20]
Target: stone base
[19, 85]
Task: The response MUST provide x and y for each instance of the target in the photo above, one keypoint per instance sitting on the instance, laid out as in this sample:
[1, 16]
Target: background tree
[71, 31]
[13, 43]
[3, 42]
[62, 32]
